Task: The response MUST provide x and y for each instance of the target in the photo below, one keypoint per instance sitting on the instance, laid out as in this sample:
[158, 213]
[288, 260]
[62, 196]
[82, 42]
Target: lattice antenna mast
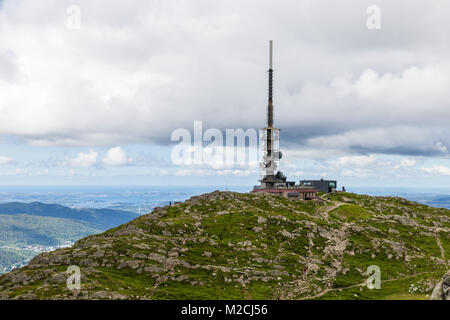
[270, 135]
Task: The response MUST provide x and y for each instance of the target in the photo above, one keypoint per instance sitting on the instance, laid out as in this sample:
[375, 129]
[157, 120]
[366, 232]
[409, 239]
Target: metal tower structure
[270, 139]
[272, 179]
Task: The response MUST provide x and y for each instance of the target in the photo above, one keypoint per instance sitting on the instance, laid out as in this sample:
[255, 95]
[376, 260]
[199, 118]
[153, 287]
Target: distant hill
[26, 229]
[98, 218]
[226, 245]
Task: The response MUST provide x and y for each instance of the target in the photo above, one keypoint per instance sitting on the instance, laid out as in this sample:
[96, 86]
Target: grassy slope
[244, 246]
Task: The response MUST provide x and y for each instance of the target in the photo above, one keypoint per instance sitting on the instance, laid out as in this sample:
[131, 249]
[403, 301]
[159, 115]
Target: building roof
[285, 190]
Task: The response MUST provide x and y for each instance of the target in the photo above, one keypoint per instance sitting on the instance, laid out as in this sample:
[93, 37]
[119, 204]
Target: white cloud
[84, 159]
[441, 147]
[405, 140]
[116, 157]
[5, 160]
[353, 161]
[186, 172]
[357, 172]
[42, 172]
[21, 171]
[438, 170]
[408, 162]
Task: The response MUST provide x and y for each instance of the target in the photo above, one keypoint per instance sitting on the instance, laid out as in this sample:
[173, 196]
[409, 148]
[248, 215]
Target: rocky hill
[225, 245]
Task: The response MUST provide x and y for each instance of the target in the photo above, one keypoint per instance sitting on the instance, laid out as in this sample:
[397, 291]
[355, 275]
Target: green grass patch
[350, 212]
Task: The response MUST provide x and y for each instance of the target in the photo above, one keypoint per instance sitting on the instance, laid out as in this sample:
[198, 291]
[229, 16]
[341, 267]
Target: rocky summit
[226, 245]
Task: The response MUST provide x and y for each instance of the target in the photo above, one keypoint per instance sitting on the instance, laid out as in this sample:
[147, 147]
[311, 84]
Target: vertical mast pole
[269, 143]
[270, 105]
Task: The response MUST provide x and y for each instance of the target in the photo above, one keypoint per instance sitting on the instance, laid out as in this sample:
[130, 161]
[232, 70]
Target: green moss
[407, 288]
[350, 212]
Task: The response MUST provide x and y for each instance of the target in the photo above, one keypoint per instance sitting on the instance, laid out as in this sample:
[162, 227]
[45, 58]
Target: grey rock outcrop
[442, 290]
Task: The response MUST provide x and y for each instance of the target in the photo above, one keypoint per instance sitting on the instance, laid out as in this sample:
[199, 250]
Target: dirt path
[439, 243]
[324, 292]
[324, 212]
[436, 231]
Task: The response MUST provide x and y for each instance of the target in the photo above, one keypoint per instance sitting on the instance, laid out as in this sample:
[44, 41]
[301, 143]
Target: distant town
[36, 249]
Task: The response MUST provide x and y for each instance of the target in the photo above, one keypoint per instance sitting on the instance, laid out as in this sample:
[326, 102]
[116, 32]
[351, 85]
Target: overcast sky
[96, 102]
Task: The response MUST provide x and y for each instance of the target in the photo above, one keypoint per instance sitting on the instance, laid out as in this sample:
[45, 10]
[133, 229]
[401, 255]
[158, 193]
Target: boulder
[442, 290]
